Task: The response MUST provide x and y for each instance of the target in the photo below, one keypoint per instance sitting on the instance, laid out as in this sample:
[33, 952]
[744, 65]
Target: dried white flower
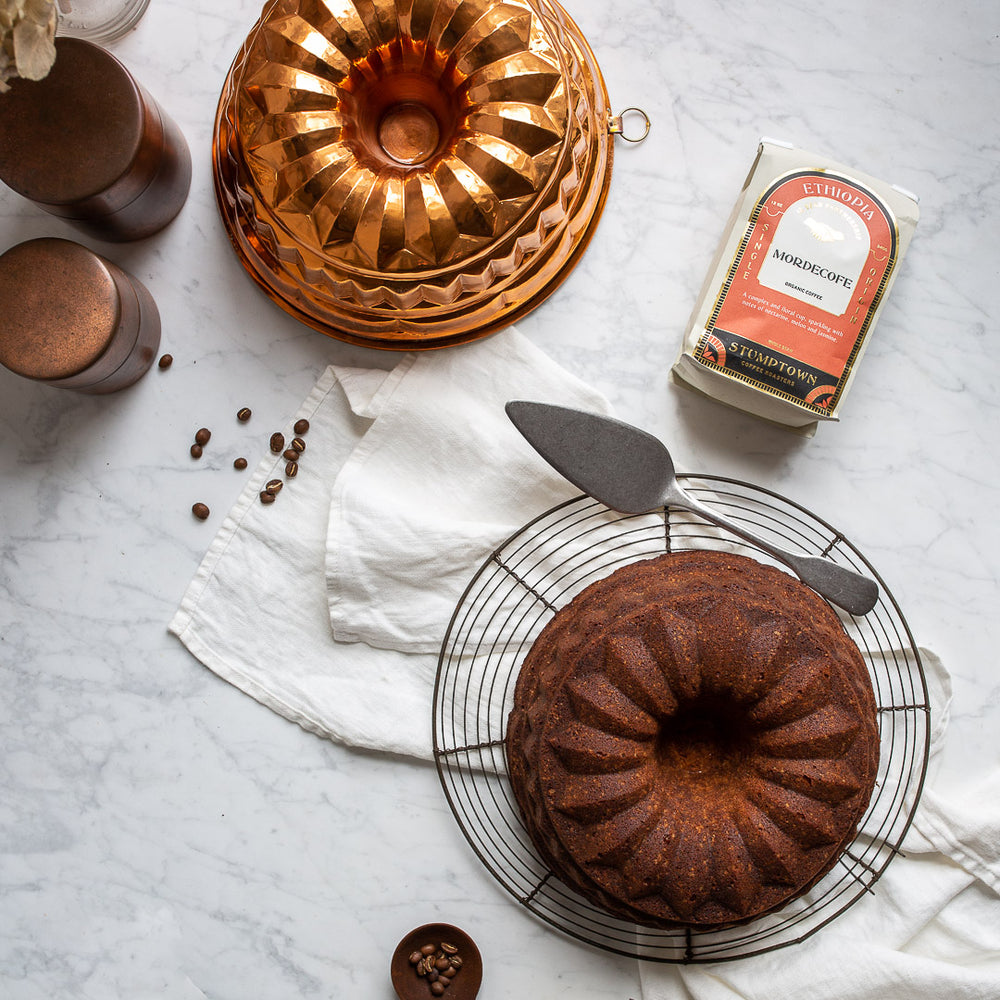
[27, 33]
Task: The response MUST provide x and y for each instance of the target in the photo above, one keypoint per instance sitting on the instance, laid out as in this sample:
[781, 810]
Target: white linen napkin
[929, 931]
[330, 605]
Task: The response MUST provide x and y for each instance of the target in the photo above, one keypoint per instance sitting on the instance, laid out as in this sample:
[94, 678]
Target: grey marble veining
[163, 835]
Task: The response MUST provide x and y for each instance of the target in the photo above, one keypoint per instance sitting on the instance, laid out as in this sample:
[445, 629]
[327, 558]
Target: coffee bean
[441, 964]
[301, 426]
[274, 486]
[416, 957]
[203, 436]
[244, 414]
[196, 451]
[200, 511]
[448, 949]
[428, 949]
[299, 445]
[433, 976]
[277, 442]
[437, 988]
[456, 962]
[450, 971]
[240, 463]
[291, 455]
[166, 361]
[266, 497]
[292, 470]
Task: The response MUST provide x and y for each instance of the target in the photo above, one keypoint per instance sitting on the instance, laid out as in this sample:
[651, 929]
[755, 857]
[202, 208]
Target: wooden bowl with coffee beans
[436, 960]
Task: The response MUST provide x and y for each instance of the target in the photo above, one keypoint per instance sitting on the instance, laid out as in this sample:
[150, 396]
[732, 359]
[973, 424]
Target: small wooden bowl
[409, 986]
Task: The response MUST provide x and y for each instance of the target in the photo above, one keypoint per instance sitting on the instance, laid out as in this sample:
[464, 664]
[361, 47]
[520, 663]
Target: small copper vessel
[407, 174]
[89, 144]
[72, 319]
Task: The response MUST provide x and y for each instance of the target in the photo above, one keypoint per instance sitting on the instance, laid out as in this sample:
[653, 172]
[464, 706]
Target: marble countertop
[162, 834]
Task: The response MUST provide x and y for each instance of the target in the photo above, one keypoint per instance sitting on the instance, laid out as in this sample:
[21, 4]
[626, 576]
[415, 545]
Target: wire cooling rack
[541, 568]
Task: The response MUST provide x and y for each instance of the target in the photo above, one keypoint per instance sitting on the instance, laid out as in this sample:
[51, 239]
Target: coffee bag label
[803, 288]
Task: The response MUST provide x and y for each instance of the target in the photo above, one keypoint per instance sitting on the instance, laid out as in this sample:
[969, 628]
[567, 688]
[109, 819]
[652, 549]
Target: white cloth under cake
[330, 605]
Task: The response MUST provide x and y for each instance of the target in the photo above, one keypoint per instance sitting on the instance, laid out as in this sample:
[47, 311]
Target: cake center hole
[409, 133]
[702, 740]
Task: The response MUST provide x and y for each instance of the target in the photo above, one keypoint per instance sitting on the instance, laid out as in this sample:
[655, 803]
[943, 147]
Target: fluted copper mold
[412, 174]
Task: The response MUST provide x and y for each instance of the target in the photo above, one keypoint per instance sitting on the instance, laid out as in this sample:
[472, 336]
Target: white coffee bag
[800, 276]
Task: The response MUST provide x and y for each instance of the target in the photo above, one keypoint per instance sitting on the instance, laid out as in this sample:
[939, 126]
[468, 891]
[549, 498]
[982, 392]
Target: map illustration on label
[803, 287]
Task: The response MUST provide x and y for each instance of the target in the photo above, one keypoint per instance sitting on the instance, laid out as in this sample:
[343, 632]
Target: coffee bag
[806, 263]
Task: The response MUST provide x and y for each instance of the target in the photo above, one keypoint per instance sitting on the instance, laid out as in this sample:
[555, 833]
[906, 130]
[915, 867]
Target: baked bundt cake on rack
[693, 740]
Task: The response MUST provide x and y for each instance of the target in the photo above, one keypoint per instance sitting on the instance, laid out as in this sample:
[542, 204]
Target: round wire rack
[542, 567]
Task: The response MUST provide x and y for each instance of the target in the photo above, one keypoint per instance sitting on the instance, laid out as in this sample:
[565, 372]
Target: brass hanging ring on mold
[616, 124]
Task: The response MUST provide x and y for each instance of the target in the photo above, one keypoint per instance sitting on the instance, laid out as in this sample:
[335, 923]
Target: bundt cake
[693, 740]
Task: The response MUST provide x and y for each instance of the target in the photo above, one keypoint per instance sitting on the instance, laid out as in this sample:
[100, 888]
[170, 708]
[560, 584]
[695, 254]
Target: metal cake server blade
[630, 470]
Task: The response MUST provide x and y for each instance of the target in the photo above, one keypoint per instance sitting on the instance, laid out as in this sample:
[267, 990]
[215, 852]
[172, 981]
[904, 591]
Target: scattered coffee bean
[450, 971]
[416, 957]
[274, 486]
[277, 442]
[448, 949]
[244, 414]
[301, 426]
[200, 511]
[441, 964]
[456, 962]
[292, 470]
[299, 445]
[291, 455]
[437, 988]
[203, 436]
[266, 496]
[428, 949]
[166, 361]
[196, 451]
[240, 463]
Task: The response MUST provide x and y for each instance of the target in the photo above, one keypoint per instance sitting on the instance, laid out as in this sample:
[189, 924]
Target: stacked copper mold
[410, 174]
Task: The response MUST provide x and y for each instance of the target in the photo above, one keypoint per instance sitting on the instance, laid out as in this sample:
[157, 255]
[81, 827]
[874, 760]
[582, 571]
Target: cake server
[630, 470]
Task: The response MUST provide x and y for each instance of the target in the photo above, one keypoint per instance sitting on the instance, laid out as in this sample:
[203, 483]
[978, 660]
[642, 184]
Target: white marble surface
[162, 834]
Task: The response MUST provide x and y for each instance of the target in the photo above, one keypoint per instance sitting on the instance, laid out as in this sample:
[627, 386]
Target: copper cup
[89, 144]
[73, 319]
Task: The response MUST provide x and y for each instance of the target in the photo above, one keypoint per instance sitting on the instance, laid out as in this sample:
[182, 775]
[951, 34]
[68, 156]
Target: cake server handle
[851, 591]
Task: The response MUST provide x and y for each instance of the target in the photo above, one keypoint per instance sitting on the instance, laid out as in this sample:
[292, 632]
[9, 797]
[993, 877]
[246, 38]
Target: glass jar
[99, 21]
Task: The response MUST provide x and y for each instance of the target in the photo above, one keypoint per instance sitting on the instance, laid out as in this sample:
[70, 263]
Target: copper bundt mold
[412, 174]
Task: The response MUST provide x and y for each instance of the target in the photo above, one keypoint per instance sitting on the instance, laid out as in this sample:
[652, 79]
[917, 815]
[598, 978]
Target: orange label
[803, 288]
